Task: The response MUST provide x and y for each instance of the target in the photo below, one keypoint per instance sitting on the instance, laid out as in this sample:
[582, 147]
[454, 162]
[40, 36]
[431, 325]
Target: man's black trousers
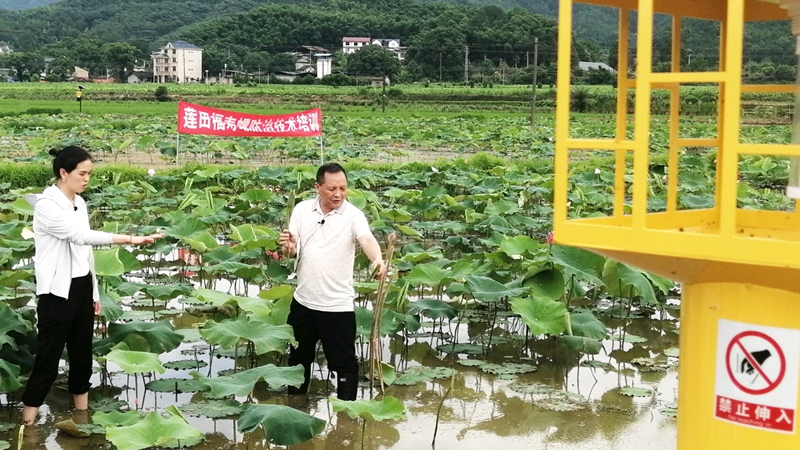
[336, 330]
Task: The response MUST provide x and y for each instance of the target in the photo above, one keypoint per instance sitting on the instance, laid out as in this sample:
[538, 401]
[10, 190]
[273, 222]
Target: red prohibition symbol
[736, 342]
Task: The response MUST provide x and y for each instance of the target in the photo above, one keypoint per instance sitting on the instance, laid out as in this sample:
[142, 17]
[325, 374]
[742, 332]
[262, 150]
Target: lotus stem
[375, 357]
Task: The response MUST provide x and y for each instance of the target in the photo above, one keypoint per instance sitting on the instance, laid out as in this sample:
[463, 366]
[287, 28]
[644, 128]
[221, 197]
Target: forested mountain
[247, 33]
[14, 5]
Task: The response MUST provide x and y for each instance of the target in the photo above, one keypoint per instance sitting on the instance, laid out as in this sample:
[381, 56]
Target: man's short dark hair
[329, 168]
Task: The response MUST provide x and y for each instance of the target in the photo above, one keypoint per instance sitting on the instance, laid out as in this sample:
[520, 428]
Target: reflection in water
[481, 410]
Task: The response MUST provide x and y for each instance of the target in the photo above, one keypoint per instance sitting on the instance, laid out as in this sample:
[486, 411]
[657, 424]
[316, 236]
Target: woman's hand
[96, 308]
[143, 240]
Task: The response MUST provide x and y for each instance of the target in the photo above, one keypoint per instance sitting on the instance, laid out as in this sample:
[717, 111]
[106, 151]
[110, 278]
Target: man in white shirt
[322, 235]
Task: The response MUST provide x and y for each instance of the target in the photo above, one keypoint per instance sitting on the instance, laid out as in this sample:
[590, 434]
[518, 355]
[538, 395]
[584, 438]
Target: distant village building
[80, 74]
[354, 44]
[324, 64]
[589, 65]
[178, 61]
[310, 59]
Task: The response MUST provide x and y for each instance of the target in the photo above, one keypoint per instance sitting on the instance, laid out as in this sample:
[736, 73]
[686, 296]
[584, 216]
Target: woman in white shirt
[65, 280]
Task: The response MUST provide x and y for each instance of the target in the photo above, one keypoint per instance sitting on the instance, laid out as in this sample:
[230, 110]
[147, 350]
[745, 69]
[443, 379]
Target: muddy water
[481, 412]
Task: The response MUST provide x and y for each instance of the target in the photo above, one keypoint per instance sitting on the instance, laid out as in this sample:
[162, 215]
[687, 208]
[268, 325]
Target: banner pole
[177, 146]
[321, 157]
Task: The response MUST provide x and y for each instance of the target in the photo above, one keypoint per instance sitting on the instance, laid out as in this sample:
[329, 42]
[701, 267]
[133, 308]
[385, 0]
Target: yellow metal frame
[723, 234]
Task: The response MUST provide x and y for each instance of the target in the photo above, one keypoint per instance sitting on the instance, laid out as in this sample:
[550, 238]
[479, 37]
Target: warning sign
[757, 375]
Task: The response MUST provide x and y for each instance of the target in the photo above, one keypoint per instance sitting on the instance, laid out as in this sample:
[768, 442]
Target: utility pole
[535, 69]
[440, 66]
[466, 65]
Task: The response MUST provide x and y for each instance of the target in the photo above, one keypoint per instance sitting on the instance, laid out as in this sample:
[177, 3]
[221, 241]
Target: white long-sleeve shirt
[61, 232]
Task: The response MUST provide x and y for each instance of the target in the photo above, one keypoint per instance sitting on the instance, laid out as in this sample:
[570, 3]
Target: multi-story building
[178, 62]
[353, 44]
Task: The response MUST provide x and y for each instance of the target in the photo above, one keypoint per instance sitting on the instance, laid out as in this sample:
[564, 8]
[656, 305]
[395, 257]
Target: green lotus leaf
[635, 392]
[282, 425]
[201, 242]
[242, 383]
[20, 206]
[257, 196]
[387, 408]
[166, 291]
[578, 263]
[154, 431]
[432, 309]
[11, 278]
[185, 364]
[584, 323]
[129, 260]
[421, 374]
[9, 377]
[508, 368]
[135, 362]
[109, 305]
[256, 306]
[541, 315]
[391, 322]
[186, 228]
[672, 351]
[277, 292]
[106, 404]
[241, 270]
[469, 349]
[107, 263]
[175, 385]
[116, 418]
[5, 427]
[266, 338]
[429, 275]
[408, 231]
[279, 314]
[520, 245]
[628, 282]
[214, 409]
[11, 321]
[629, 338]
[587, 345]
[546, 283]
[472, 362]
[486, 289]
[160, 336]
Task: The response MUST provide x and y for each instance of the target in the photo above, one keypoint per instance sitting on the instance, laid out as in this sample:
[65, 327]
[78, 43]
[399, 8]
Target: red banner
[196, 119]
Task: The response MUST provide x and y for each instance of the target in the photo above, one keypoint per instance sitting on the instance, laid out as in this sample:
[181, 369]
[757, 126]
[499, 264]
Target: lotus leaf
[542, 315]
[135, 362]
[507, 368]
[522, 246]
[79, 430]
[214, 409]
[242, 383]
[185, 228]
[266, 338]
[282, 425]
[387, 408]
[175, 385]
[486, 289]
[587, 345]
[202, 241]
[470, 349]
[472, 362]
[154, 430]
[185, 364]
[546, 283]
[420, 374]
[257, 196]
[635, 392]
[116, 418]
[432, 309]
[5, 427]
[166, 291]
[109, 305]
[627, 282]
[578, 263]
[429, 275]
[9, 377]
[629, 338]
[107, 263]
[11, 278]
[241, 270]
[257, 306]
[584, 323]
[280, 312]
[672, 351]
[391, 322]
[160, 336]
[11, 321]
[106, 404]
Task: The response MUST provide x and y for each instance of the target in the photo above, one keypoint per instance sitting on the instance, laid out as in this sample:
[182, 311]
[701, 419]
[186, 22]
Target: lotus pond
[490, 335]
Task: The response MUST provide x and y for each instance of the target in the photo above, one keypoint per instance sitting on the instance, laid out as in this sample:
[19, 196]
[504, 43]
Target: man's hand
[288, 242]
[380, 269]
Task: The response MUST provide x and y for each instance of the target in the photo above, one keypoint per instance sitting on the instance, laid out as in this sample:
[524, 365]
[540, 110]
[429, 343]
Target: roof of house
[587, 65]
[385, 41]
[311, 49]
[356, 39]
[183, 44]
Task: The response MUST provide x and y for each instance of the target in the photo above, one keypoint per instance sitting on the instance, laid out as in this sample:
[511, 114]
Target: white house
[353, 44]
[178, 61]
[587, 65]
[324, 64]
